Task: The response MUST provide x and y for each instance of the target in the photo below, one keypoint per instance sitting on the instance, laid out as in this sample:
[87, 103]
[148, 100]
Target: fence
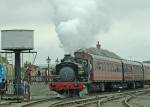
[35, 89]
[40, 79]
[16, 91]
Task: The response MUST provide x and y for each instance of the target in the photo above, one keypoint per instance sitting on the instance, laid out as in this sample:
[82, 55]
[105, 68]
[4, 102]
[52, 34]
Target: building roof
[98, 57]
[100, 52]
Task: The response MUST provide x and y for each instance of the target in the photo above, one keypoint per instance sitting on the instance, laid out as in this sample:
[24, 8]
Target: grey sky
[128, 34]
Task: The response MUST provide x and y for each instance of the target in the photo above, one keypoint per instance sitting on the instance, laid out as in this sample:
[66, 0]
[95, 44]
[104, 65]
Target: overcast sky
[128, 34]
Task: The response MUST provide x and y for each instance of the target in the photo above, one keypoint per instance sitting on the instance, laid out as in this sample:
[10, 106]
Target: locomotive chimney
[98, 45]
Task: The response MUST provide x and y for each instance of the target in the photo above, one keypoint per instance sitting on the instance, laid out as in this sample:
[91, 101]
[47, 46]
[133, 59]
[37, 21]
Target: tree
[3, 60]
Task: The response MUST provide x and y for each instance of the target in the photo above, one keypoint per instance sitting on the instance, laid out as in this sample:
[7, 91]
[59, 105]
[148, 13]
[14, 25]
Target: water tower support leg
[17, 71]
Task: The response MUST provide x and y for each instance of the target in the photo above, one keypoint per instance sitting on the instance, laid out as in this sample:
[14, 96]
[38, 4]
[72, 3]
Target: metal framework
[17, 78]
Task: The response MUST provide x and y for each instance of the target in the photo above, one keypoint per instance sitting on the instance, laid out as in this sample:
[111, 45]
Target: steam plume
[78, 22]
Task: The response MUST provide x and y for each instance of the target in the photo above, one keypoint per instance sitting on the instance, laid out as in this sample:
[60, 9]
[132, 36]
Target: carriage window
[120, 69]
[104, 66]
[99, 66]
[140, 69]
[110, 67]
[128, 69]
[125, 70]
[148, 68]
[117, 69]
[137, 68]
[133, 68]
[113, 69]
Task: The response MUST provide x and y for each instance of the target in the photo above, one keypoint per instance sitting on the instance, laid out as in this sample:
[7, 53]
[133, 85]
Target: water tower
[17, 41]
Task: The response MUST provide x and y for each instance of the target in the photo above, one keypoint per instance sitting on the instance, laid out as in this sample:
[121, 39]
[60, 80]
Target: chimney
[98, 45]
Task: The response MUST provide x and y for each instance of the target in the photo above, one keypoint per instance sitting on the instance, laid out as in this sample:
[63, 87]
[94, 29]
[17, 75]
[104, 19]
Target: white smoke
[78, 22]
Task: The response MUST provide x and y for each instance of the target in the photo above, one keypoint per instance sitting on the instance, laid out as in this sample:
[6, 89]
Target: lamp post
[57, 61]
[48, 62]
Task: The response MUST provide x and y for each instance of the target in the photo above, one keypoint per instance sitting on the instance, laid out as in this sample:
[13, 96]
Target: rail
[125, 102]
[98, 99]
[36, 102]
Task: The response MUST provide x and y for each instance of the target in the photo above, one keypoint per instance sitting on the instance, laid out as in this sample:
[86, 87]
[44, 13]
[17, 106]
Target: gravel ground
[38, 91]
[114, 103]
[141, 101]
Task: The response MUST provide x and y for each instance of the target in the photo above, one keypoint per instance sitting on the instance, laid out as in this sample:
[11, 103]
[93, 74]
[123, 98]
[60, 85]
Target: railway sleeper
[87, 103]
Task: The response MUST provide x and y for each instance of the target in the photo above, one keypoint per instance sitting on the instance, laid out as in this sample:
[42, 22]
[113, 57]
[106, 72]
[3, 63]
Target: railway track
[36, 103]
[46, 102]
[100, 99]
[124, 98]
[6, 103]
[97, 100]
[126, 102]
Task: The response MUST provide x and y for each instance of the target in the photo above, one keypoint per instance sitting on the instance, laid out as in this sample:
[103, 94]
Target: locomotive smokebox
[67, 74]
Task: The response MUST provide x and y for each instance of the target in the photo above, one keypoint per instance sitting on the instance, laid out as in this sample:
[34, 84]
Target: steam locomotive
[87, 73]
